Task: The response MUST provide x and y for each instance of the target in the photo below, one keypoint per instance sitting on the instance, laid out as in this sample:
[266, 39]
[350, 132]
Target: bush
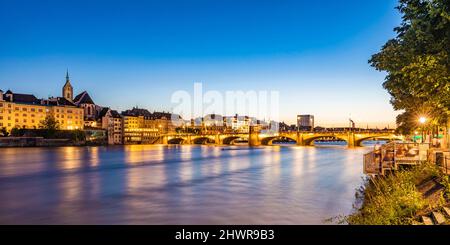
[75, 135]
[17, 132]
[393, 199]
[4, 132]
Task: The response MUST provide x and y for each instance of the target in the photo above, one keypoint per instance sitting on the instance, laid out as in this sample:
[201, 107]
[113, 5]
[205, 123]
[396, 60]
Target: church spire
[67, 90]
[67, 76]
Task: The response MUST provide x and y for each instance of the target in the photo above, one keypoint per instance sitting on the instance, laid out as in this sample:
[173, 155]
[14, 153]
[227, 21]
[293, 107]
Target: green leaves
[394, 199]
[417, 60]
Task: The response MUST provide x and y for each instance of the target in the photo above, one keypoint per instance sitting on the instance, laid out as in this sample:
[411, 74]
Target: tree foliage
[4, 132]
[417, 62]
[50, 125]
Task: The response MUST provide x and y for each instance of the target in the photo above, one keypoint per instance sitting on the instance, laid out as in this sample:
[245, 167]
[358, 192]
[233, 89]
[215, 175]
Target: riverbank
[406, 197]
[6, 142]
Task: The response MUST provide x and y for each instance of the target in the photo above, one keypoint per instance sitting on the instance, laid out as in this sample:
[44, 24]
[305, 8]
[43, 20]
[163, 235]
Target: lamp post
[415, 136]
[422, 121]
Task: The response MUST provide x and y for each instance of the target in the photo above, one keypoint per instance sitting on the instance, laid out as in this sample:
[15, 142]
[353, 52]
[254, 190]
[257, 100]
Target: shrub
[75, 135]
[4, 132]
[393, 199]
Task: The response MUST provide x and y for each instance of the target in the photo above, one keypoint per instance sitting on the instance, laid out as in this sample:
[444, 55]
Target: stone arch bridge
[353, 139]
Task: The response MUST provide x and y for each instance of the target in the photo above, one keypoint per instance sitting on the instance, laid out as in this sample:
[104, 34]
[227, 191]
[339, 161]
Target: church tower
[67, 91]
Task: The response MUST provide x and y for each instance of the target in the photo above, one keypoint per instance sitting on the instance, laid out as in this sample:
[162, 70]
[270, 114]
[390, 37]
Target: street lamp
[422, 121]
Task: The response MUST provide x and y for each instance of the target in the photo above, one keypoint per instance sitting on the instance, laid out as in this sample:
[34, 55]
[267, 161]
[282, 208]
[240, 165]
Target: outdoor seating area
[390, 156]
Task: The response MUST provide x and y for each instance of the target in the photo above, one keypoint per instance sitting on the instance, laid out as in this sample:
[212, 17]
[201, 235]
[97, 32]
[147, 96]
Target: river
[178, 184]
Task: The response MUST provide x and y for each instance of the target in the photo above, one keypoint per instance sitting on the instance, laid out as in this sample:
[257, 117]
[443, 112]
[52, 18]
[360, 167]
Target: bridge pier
[351, 142]
[164, 140]
[188, 140]
[218, 140]
[300, 140]
[253, 137]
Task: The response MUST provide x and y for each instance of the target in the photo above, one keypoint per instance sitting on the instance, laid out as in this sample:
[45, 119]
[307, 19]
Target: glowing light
[422, 120]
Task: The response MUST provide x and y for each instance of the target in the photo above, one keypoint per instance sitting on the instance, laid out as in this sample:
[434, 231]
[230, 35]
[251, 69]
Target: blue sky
[128, 53]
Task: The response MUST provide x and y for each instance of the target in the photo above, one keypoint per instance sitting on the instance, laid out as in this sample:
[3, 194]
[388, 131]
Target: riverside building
[143, 127]
[26, 111]
[112, 122]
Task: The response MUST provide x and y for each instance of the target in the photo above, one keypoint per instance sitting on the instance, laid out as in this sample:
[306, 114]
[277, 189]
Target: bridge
[353, 139]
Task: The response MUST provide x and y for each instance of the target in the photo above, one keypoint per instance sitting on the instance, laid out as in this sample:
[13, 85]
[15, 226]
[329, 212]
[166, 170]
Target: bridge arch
[176, 141]
[309, 141]
[229, 140]
[269, 140]
[203, 140]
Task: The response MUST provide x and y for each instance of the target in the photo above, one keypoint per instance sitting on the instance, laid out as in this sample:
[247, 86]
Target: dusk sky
[137, 53]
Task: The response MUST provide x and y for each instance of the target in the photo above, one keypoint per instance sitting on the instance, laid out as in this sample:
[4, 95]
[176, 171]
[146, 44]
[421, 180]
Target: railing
[372, 165]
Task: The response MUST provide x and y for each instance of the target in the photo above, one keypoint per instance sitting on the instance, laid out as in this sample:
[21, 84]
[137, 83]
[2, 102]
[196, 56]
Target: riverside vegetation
[402, 197]
[417, 63]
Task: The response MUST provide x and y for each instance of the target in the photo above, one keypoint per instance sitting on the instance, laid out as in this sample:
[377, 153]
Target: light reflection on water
[177, 184]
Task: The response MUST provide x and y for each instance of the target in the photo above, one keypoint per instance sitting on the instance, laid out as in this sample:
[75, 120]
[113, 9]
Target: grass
[395, 199]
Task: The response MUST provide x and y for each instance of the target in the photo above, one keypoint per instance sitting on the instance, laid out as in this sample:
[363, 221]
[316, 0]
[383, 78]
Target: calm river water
[178, 184]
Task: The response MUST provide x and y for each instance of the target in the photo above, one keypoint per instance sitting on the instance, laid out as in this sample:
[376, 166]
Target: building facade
[305, 122]
[91, 110]
[139, 130]
[26, 111]
[143, 127]
[112, 122]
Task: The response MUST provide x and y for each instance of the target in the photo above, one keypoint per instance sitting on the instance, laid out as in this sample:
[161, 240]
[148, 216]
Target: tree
[4, 132]
[50, 126]
[417, 63]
